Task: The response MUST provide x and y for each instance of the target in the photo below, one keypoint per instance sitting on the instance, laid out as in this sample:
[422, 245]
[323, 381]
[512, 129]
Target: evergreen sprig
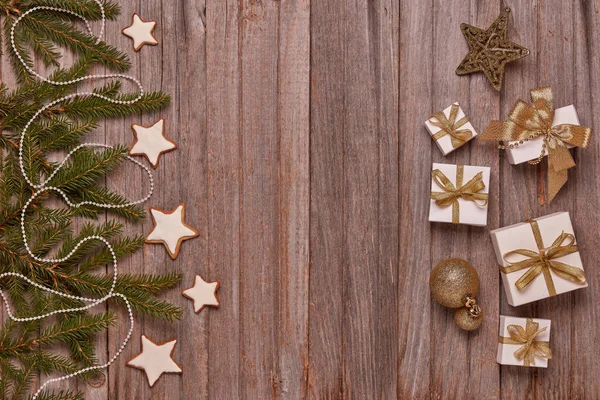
[29, 349]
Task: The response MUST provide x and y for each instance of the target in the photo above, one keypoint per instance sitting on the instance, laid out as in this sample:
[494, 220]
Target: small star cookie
[170, 230]
[203, 293]
[141, 32]
[155, 359]
[151, 142]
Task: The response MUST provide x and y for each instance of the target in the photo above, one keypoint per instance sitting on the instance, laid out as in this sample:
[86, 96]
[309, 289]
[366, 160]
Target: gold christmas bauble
[452, 280]
[465, 320]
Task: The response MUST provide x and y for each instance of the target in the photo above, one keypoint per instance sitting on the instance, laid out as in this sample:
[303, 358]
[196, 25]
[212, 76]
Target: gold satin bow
[449, 126]
[544, 261]
[450, 195]
[531, 121]
[531, 348]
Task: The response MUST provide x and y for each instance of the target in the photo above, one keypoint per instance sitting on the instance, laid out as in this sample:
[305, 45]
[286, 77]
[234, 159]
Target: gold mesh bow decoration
[531, 347]
[529, 121]
[544, 260]
[450, 126]
[449, 197]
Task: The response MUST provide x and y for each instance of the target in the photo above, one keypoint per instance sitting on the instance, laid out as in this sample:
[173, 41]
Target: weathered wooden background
[305, 165]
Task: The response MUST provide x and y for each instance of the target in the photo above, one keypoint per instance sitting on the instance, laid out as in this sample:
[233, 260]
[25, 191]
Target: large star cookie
[490, 50]
[155, 359]
[170, 229]
[141, 32]
[203, 293]
[151, 142]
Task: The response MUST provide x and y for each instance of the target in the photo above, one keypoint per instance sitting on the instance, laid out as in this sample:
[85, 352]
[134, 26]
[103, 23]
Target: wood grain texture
[304, 163]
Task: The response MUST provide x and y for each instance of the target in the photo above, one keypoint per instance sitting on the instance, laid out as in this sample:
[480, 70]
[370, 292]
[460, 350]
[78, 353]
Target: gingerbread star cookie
[203, 293]
[170, 230]
[141, 32]
[151, 142]
[155, 359]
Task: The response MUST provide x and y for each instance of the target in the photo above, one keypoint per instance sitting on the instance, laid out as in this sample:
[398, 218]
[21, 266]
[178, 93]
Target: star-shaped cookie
[170, 230]
[155, 359]
[151, 142]
[141, 32]
[490, 50]
[203, 293]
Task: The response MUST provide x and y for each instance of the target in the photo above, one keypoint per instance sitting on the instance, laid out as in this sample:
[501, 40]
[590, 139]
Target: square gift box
[538, 258]
[524, 342]
[531, 150]
[462, 203]
[450, 131]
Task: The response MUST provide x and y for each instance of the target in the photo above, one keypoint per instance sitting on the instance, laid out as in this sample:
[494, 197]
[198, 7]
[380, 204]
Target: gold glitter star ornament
[490, 50]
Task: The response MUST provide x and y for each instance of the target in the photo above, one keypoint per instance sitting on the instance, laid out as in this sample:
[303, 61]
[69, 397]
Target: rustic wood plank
[121, 379]
[483, 379]
[157, 66]
[326, 358]
[370, 201]
[370, 184]
[473, 353]
[449, 344]
[294, 191]
[223, 130]
[555, 42]
[259, 199]
[584, 369]
[386, 34]
[415, 99]
[187, 80]
[97, 387]
[518, 183]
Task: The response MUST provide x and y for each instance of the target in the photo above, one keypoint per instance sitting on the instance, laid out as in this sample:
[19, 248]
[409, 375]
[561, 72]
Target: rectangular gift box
[506, 352]
[521, 236]
[470, 212]
[531, 150]
[445, 142]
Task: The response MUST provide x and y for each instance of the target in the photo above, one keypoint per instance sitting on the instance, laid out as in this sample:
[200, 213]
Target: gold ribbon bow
[530, 348]
[450, 195]
[529, 121]
[449, 126]
[544, 261]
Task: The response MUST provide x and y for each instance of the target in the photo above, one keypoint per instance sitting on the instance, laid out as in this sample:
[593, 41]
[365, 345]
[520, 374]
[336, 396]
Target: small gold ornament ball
[452, 280]
[466, 321]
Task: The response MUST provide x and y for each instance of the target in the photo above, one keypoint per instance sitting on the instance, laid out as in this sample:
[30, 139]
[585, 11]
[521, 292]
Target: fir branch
[86, 8]
[28, 349]
[42, 48]
[61, 395]
[107, 230]
[122, 248]
[100, 109]
[103, 195]
[87, 167]
[62, 33]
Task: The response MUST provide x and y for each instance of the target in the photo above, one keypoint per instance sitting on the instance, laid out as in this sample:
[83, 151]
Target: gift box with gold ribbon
[450, 129]
[536, 130]
[538, 258]
[524, 342]
[459, 194]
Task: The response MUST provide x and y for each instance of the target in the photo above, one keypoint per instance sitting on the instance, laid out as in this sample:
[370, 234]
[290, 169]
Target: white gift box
[445, 142]
[506, 352]
[470, 212]
[521, 236]
[531, 150]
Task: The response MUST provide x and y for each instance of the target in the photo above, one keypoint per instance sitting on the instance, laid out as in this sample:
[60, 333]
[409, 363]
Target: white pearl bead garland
[44, 187]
